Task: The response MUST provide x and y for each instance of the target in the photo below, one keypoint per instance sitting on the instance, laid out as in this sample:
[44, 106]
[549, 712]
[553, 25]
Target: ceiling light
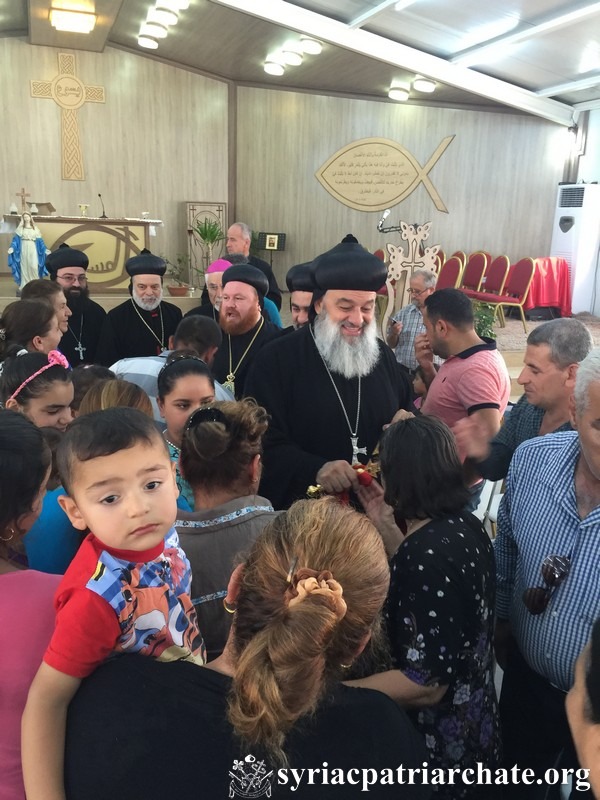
[291, 57]
[310, 46]
[174, 5]
[423, 85]
[397, 93]
[72, 21]
[153, 29]
[148, 42]
[274, 68]
[163, 15]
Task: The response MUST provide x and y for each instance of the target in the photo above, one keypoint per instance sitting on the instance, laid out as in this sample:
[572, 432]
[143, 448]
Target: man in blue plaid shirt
[548, 562]
[405, 325]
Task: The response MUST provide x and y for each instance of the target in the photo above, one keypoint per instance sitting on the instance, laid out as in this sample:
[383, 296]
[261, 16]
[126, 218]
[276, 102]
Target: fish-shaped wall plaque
[374, 174]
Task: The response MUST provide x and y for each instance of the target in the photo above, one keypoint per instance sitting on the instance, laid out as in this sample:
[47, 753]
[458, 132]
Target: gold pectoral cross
[230, 383]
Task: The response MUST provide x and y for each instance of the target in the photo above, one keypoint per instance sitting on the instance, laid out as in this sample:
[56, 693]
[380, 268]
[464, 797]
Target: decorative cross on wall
[70, 94]
[23, 194]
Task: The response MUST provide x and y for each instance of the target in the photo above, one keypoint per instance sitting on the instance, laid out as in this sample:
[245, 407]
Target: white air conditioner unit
[576, 238]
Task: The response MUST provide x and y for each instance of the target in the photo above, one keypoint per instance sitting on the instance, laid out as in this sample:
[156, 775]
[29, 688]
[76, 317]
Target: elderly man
[239, 238]
[407, 323]
[142, 325]
[300, 287]
[331, 386]
[548, 553]
[68, 267]
[245, 328]
[554, 350]
[197, 334]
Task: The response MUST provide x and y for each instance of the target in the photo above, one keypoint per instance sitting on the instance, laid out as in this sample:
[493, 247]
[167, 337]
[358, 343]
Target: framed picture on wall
[271, 241]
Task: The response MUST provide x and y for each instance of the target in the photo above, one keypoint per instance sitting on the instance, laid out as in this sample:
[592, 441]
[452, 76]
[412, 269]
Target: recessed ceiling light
[310, 46]
[148, 42]
[163, 14]
[154, 29]
[72, 21]
[274, 68]
[291, 57]
[423, 85]
[397, 93]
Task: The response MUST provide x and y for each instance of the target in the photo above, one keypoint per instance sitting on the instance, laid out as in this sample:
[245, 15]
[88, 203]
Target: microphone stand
[103, 215]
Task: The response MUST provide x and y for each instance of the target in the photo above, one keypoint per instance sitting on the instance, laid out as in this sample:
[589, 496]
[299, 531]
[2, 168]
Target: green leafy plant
[210, 233]
[484, 318]
[178, 269]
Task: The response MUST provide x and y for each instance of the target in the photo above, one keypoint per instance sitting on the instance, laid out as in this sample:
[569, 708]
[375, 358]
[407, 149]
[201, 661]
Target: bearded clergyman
[330, 386]
[142, 325]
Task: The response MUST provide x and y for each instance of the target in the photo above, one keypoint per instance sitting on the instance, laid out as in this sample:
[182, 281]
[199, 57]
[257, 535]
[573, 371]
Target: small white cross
[356, 450]
[81, 350]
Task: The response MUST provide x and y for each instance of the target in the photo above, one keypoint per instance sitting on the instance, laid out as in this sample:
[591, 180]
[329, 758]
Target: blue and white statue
[27, 252]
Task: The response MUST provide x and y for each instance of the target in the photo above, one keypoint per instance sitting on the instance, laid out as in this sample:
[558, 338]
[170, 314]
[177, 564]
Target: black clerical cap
[146, 263]
[299, 278]
[65, 256]
[348, 266]
[246, 273]
[593, 671]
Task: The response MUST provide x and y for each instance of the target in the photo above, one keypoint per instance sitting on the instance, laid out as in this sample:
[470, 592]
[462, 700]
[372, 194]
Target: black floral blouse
[440, 619]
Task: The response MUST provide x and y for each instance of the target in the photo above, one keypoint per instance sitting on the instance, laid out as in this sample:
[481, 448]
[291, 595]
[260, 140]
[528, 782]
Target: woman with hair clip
[221, 451]
[28, 324]
[26, 596]
[114, 393]
[185, 383]
[306, 602]
[440, 607]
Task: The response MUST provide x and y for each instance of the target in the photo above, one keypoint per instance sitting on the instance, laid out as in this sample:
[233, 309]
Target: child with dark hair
[126, 590]
[185, 384]
[39, 387]
[84, 377]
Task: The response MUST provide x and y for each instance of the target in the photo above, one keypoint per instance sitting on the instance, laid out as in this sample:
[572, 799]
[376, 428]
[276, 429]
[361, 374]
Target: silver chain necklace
[353, 433]
[80, 348]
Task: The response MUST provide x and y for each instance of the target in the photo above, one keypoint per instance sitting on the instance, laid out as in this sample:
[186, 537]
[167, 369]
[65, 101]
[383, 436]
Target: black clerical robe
[124, 334]
[85, 326]
[221, 364]
[205, 310]
[308, 427]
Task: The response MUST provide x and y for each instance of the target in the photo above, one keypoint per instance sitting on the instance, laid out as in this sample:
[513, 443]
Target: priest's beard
[77, 297]
[147, 305]
[351, 358]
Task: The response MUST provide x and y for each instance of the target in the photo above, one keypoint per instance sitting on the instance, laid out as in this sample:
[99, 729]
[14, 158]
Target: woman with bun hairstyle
[306, 602]
[38, 386]
[185, 383]
[26, 596]
[221, 451]
[28, 324]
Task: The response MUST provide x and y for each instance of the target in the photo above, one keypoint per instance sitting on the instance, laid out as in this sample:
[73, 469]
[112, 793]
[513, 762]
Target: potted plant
[176, 272]
[210, 233]
[484, 318]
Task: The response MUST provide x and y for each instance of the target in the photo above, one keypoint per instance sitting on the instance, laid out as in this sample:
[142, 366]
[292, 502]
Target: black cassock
[85, 326]
[308, 426]
[221, 364]
[124, 335]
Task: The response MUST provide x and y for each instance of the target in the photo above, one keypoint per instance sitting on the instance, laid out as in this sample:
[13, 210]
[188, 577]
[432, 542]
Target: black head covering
[593, 673]
[146, 263]
[299, 278]
[246, 273]
[65, 256]
[348, 266]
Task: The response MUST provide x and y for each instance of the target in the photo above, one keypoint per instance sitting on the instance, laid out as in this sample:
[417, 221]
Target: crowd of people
[162, 570]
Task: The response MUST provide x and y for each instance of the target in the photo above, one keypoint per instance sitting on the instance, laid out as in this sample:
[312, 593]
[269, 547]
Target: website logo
[249, 778]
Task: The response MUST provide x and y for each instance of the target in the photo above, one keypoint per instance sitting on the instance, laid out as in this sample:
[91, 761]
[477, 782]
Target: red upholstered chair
[473, 272]
[441, 256]
[495, 278]
[515, 291]
[449, 274]
[461, 255]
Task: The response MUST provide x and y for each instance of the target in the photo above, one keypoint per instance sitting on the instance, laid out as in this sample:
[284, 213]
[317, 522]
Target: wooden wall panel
[498, 177]
[158, 141]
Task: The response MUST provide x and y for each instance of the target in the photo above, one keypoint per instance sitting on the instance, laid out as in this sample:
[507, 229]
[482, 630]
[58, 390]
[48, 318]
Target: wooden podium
[108, 243]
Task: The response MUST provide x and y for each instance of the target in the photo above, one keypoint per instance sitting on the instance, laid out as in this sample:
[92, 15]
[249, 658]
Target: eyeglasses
[72, 278]
[415, 292]
[554, 570]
